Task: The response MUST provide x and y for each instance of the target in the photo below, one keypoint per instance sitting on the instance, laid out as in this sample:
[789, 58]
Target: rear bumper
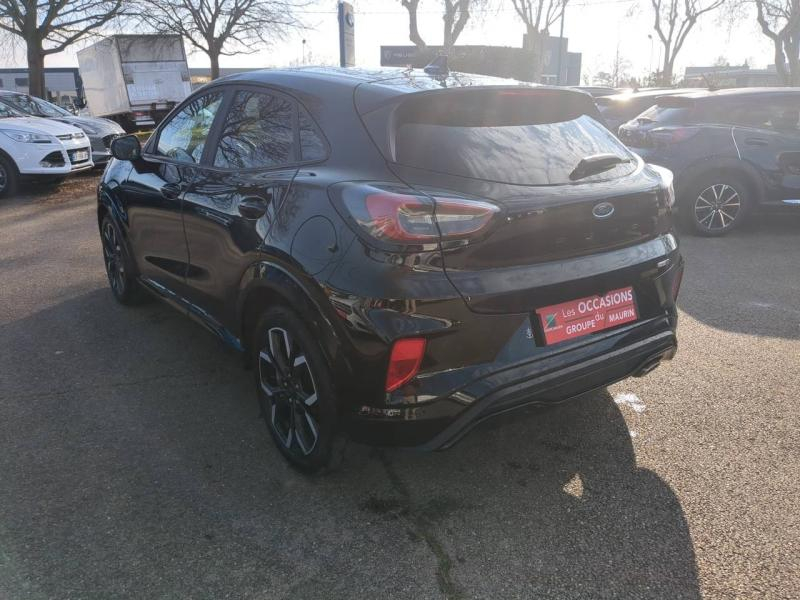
[581, 367]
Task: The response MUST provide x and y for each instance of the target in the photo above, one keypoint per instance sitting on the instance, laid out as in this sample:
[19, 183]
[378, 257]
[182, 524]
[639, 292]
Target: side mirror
[126, 147]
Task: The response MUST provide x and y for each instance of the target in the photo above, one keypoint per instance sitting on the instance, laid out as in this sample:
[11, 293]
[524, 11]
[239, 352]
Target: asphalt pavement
[133, 463]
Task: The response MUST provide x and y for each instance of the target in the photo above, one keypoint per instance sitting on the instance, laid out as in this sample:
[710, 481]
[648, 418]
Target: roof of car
[739, 92]
[625, 96]
[399, 80]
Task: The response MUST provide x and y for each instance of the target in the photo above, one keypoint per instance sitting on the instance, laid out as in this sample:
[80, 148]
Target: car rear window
[666, 114]
[510, 137]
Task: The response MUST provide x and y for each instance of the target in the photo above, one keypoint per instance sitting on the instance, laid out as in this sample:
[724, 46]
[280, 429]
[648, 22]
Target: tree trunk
[36, 67]
[413, 26]
[780, 61]
[534, 44]
[213, 55]
[668, 67]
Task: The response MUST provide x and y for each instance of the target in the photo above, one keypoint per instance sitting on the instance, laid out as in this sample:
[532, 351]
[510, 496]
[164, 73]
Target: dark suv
[398, 256]
[731, 151]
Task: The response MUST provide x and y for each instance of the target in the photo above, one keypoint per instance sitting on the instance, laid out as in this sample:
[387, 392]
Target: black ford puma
[400, 256]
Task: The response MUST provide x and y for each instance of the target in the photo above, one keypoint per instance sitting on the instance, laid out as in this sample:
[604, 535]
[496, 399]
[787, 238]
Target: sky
[594, 27]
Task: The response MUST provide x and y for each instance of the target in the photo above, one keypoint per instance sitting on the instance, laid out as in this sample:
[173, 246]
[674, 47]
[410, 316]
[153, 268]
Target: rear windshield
[665, 114]
[505, 137]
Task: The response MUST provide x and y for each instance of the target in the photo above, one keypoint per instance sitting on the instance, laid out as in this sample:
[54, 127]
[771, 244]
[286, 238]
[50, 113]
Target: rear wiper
[597, 163]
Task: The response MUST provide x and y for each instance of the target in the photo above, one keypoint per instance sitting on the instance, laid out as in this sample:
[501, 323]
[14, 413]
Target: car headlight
[24, 136]
[667, 182]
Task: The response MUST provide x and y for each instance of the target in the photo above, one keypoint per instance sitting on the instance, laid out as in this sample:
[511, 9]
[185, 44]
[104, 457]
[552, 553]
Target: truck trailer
[134, 79]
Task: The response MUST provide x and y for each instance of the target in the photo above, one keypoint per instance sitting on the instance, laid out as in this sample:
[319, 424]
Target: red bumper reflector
[404, 362]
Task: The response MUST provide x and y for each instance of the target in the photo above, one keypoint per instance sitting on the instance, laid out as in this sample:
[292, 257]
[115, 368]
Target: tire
[295, 392]
[716, 203]
[119, 268]
[9, 177]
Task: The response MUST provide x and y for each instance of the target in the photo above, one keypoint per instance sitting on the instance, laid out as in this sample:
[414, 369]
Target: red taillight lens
[404, 362]
[392, 215]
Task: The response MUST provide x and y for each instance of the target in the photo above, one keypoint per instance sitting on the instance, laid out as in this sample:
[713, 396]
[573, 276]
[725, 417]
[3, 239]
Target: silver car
[99, 131]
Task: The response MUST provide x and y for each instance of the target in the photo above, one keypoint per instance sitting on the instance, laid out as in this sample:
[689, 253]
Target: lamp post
[304, 51]
[561, 41]
[650, 66]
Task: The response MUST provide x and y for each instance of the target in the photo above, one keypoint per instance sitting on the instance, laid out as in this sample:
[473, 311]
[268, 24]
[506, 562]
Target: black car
[398, 256]
[620, 108]
[732, 152]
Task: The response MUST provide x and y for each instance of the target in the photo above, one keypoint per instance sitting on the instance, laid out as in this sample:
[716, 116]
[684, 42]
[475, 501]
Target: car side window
[258, 132]
[786, 115]
[184, 137]
[778, 115]
[312, 147]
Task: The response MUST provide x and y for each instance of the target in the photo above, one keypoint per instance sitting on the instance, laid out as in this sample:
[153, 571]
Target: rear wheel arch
[738, 169]
[270, 285]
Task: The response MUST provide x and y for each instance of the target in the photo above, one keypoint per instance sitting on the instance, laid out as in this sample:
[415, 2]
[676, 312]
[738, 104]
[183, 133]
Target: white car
[30, 146]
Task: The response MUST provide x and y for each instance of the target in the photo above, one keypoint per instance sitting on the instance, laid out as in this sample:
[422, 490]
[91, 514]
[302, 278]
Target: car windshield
[34, 106]
[6, 111]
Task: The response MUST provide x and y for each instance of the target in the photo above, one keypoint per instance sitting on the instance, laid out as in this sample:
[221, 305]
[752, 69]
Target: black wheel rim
[3, 179]
[112, 254]
[286, 380]
[717, 207]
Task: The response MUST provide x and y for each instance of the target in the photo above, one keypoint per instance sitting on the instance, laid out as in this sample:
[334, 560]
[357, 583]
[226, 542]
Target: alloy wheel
[112, 255]
[286, 379]
[717, 207]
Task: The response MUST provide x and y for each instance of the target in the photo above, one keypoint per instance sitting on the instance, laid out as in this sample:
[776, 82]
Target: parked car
[732, 152]
[99, 131]
[34, 147]
[621, 108]
[399, 256]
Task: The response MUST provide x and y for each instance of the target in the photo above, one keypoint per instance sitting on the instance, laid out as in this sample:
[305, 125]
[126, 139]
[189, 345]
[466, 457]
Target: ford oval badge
[603, 210]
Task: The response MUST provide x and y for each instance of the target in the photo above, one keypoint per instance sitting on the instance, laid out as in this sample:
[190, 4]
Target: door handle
[755, 141]
[252, 208]
[171, 191]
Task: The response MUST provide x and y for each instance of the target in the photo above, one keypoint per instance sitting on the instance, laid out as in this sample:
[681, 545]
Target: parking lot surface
[133, 462]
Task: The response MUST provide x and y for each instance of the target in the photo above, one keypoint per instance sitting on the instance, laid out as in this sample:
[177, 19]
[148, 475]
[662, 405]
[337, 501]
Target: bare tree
[222, 27]
[780, 21]
[455, 14]
[51, 26]
[413, 27]
[673, 21]
[538, 16]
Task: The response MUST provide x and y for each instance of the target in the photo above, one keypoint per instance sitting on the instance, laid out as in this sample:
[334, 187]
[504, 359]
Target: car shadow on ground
[135, 463]
[738, 282]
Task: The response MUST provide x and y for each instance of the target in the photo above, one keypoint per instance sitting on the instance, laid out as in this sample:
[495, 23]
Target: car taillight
[401, 215]
[404, 362]
[670, 135]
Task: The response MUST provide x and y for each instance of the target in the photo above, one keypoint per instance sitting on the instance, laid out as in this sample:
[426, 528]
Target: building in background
[499, 61]
[731, 76]
[62, 85]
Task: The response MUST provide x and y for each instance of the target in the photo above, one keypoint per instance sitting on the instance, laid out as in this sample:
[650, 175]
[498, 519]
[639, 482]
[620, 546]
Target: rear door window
[503, 136]
[258, 132]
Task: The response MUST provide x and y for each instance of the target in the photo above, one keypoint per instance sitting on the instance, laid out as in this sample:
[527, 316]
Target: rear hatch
[661, 118]
[542, 158]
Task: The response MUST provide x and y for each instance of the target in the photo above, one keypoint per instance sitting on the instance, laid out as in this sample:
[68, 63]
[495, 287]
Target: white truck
[134, 79]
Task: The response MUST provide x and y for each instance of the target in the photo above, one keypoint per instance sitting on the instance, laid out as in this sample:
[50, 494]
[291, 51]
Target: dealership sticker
[577, 318]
